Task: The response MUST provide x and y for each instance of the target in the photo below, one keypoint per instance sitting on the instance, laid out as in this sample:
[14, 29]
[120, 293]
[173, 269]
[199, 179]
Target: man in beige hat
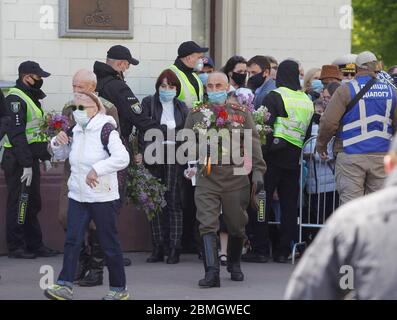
[362, 114]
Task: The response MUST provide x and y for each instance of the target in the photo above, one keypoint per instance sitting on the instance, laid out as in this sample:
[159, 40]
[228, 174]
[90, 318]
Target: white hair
[86, 76]
[219, 73]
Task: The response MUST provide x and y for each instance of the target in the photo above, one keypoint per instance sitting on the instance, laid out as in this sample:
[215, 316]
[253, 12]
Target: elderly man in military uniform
[224, 184]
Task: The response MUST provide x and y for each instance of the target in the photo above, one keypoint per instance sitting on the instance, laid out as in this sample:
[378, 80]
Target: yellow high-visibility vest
[300, 112]
[188, 92]
[34, 116]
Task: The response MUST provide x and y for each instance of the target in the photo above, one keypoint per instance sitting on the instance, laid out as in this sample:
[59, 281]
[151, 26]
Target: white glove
[47, 165]
[27, 176]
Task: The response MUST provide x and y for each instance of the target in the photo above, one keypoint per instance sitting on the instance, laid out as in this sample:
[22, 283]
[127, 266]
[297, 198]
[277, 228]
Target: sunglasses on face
[346, 74]
[80, 108]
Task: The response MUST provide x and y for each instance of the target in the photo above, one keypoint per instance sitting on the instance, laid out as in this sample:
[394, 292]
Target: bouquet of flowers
[52, 124]
[146, 192]
[217, 119]
[261, 116]
[246, 98]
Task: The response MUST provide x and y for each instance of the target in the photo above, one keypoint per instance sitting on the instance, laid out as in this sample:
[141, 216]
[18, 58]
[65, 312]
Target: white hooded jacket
[86, 152]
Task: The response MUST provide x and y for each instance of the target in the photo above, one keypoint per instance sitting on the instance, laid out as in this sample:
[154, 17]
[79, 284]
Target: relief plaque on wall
[96, 19]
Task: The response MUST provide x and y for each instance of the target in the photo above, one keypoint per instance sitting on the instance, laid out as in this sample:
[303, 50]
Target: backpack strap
[105, 136]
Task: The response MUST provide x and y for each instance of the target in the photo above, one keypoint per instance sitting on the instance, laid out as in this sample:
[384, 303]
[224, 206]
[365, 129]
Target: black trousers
[27, 236]
[286, 182]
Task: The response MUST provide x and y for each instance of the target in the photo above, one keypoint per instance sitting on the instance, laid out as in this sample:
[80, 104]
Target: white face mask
[81, 118]
[345, 81]
[199, 65]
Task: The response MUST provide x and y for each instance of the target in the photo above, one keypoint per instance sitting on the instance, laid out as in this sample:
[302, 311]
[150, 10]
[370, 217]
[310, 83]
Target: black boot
[234, 250]
[84, 264]
[94, 277]
[157, 254]
[173, 257]
[211, 262]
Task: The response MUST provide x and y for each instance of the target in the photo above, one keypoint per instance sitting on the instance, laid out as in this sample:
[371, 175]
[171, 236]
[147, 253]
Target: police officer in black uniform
[112, 87]
[20, 163]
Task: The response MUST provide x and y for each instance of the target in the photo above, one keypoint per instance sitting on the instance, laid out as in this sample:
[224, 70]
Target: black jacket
[181, 112]
[15, 113]
[1, 103]
[3, 119]
[284, 154]
[113, 88]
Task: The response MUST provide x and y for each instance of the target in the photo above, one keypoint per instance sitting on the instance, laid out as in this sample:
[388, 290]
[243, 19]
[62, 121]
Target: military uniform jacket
[223, 177]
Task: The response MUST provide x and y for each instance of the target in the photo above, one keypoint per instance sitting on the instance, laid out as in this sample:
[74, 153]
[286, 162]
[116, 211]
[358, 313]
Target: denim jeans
[104, 216]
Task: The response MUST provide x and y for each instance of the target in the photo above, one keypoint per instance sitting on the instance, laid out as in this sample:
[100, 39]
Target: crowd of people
[209, 209]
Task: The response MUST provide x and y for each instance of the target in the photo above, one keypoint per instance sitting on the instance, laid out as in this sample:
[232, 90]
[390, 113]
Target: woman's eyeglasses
[80, 108]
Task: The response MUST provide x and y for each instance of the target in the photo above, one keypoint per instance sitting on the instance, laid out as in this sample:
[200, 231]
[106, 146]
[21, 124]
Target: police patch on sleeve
[136, 108]
[135, 105]
[15, 107]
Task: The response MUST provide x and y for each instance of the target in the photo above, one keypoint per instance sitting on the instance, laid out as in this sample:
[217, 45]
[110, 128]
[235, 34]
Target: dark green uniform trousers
[233, 204]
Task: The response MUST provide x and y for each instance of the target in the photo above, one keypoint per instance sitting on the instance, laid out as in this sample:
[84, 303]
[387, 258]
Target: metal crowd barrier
[318, 197]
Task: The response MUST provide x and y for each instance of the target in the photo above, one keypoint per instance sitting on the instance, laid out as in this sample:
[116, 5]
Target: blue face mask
[167, 95]
[317, 86]
[217, 97]
[204, 78]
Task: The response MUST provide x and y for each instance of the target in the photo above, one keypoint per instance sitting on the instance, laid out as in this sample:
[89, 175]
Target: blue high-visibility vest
[367, 127]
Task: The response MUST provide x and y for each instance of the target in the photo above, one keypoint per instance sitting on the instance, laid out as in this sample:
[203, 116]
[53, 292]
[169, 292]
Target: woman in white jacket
[93, 193]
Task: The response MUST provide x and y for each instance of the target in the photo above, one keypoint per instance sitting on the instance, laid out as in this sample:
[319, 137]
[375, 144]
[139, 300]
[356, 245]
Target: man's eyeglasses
[352, 74]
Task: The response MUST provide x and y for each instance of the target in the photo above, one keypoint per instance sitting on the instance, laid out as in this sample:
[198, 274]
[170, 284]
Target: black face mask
[256, 81]
[37, 84]
[239, 78]
[316, 118]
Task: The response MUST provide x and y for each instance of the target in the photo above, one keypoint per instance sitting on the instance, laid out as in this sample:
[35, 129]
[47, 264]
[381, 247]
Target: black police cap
[190, 47]
[31, 67]
[122, 53]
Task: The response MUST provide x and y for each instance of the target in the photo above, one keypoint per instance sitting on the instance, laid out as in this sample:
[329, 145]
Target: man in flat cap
[186, 66]
[363, 116]
[24, 146]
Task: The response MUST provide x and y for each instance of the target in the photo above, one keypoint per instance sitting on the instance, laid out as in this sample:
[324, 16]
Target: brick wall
[159, 27]
[308, 30]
